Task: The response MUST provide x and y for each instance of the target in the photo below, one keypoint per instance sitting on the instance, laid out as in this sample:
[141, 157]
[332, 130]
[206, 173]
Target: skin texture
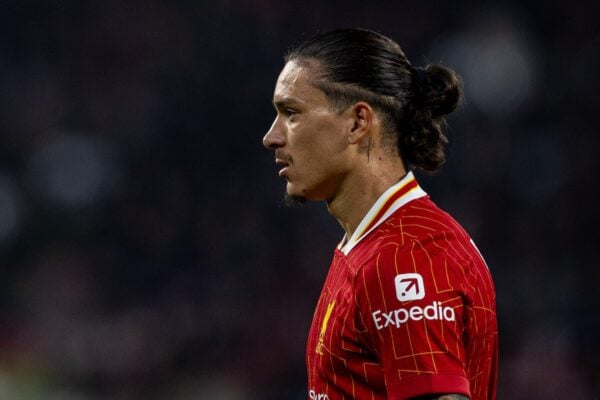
[308, 137]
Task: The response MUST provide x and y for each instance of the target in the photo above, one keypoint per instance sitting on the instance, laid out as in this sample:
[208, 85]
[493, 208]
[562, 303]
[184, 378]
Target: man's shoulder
[423, 214]
[419, 225]
[423, 222]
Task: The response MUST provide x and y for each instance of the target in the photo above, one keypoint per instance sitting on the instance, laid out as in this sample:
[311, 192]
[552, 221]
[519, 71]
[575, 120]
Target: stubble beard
[292, 200]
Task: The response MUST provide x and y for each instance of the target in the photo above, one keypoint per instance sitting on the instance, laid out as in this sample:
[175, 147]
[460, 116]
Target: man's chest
[340, 361]
[333, 327]
[336, 343]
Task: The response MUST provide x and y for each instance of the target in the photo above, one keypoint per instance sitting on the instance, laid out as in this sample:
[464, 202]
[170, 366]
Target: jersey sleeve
[411, 300]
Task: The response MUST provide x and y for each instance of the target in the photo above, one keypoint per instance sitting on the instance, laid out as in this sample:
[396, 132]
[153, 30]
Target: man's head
[310, 138]
[340, 91]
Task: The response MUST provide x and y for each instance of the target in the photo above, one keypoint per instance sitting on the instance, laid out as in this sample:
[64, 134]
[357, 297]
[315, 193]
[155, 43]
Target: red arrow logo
[412, 282]
[409, 286]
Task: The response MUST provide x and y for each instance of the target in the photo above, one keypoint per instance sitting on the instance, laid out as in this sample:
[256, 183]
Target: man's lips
[284, 163]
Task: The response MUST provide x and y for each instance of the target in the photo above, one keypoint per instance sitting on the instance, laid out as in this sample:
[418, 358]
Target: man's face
[308, 136]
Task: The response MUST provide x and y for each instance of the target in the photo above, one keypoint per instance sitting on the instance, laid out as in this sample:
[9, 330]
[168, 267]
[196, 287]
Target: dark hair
[358, 64]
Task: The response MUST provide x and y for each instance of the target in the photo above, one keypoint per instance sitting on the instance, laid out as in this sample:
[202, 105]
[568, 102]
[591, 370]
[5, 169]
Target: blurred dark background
[144, 249]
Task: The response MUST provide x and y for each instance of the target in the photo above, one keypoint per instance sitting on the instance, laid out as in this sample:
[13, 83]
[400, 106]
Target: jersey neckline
[406, 190]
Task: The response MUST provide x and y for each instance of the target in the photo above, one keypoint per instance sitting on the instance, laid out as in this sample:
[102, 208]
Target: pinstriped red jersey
[407, 309]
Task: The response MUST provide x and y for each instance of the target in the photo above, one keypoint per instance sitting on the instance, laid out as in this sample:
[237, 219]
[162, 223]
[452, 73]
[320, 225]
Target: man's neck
[358, 194]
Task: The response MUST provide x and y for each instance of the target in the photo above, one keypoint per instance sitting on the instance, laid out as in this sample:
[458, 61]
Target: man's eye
[290, 111]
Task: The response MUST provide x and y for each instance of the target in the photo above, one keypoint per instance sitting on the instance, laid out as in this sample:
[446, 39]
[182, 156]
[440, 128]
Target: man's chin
[292, 200]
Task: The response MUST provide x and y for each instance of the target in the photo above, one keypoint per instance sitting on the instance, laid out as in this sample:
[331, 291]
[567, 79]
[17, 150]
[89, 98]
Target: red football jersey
[407, 309]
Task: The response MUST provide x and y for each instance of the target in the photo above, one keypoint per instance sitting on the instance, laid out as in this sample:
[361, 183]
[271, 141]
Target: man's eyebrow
[286, 102]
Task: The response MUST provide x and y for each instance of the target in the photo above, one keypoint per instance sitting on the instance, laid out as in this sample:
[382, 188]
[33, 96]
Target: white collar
[391, 200]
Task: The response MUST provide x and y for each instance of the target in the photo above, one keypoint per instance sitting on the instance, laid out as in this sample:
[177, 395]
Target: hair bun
[436, 92]
[437, 88]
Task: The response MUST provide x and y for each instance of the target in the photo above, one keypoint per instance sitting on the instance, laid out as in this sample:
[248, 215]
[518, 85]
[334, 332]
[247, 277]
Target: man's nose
[274, 138]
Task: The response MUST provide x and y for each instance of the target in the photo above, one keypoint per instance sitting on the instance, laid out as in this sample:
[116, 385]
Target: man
[408, 308]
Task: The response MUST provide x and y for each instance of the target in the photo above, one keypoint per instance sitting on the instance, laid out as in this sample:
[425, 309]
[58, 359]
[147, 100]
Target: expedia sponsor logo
[432, 312]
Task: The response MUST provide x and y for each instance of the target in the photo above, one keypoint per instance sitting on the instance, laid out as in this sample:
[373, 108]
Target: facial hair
[293, 200]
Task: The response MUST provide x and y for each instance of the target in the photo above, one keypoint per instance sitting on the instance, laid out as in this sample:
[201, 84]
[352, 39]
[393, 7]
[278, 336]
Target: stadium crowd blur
[144, 249]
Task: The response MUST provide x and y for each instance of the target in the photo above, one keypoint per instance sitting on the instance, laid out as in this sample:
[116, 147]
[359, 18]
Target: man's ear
[362, 120]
